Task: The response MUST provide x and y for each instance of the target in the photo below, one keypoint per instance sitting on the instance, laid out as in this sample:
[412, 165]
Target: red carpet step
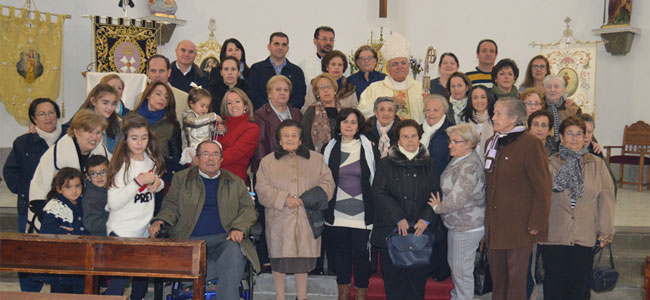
[433, 291]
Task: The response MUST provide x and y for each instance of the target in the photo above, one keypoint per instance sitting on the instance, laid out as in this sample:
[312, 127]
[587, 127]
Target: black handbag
[410, 251]
[482, 278]
[603, 279]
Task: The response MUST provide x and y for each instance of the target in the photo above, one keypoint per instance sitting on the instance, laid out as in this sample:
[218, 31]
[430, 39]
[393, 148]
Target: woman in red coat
[238, 134]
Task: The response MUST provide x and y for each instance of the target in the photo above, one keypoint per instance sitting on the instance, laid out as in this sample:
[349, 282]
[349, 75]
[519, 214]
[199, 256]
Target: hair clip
[194, 85]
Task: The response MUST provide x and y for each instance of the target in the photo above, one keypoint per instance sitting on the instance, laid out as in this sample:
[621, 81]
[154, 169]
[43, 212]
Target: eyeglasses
[572, 134]
[533, 104]
[42, 114]
[207, 155]
[539, 67]
[399, 63]
[455, 142]
[101, 173]
[326, 87]
[366, 59]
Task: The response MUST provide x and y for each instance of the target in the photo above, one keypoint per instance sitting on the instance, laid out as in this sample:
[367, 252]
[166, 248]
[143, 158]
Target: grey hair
[467, 132]
[554, 77]
[198, 147]
[439, 98]
[588, 119]
[385, 99]
[516, 108]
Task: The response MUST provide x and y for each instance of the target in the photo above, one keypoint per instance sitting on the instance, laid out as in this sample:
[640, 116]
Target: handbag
[482, 278]
[410, 251]
[603, 279]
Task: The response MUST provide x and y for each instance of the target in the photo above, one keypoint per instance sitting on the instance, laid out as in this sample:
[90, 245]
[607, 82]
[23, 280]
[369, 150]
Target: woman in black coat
[227, 77]
[404, 181]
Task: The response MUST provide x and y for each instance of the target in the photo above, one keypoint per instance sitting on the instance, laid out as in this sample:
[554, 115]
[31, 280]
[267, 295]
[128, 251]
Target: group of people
[323, 159]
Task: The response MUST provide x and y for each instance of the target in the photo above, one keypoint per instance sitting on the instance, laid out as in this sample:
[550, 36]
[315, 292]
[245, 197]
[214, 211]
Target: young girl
[133, 179]
[63, 215]
[103, 99]
[198, 124]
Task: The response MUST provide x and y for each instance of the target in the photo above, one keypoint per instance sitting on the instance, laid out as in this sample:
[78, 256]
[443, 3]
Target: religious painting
[208, 63]
[30, 59]
[124, 47]
[577, 64]
[207, 52]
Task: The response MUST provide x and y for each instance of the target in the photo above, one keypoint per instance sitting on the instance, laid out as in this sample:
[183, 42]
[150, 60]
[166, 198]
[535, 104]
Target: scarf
[50, 137]
[408, 154]
[458, 106]
[282, 115]
[429, 131]
[481, 117]
[384, 140]
[570, 174]
[491, 151]
[321, 133]
[151, 116]
[554, 108]
[500, 94]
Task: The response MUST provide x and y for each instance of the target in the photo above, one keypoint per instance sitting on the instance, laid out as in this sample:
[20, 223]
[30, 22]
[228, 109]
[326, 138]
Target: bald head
[185, 54]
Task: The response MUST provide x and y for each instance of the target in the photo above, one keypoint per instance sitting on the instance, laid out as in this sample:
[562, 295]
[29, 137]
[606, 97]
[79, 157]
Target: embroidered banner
[123, 47]
[30, 59]
[577, 64]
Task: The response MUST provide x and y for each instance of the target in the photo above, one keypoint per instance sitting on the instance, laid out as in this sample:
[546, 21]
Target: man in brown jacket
[518, 198]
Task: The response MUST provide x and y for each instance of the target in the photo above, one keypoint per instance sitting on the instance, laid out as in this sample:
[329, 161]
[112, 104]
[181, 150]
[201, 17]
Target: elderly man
[324, 42]
[406, 92]
[518, 198]
[486, 52]
[208, 203]
[184, 70]
[159, 69]
[379, 128]
[554, 88]
[276, 64]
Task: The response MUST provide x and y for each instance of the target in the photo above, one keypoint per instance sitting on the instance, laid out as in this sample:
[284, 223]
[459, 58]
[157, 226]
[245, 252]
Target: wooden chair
[634, 151]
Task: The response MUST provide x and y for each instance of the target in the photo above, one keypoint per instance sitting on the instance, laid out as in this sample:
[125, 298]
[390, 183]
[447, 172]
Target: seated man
[207, 203]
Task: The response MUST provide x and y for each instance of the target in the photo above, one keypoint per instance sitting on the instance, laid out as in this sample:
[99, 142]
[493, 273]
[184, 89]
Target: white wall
[454, 26]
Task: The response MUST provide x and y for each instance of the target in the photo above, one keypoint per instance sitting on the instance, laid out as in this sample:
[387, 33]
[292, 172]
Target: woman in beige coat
[294, 185]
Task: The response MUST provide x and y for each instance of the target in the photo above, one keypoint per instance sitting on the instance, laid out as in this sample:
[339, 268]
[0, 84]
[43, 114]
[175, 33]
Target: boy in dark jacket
[95, 196]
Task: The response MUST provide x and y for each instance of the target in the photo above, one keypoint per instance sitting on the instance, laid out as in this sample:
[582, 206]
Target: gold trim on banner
[126, 30]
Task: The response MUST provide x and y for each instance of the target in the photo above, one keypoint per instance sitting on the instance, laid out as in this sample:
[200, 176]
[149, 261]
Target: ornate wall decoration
[124, 47]
[207, 52]
[30, 59]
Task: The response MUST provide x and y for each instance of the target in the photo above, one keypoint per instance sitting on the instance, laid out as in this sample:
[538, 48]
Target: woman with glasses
[335, 63]
[366, 59]
[537, 69]
[319, 121]
[533, 99]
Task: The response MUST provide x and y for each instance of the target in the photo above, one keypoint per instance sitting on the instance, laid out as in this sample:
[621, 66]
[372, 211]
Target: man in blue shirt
[276, 64]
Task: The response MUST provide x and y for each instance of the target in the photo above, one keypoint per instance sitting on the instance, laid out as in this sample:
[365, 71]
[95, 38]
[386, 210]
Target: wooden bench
[93, 256]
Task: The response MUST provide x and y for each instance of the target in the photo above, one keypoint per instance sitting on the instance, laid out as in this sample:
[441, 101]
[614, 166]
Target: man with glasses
[208, 203]
[404, 90]
[324, 42]
[276, 64]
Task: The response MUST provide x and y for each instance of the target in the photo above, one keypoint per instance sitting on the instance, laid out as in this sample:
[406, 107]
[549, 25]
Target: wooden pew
[93, 256]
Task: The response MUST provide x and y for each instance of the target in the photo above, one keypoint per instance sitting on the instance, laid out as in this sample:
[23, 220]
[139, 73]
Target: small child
[198, 123]
[95, 195]
[62, 215]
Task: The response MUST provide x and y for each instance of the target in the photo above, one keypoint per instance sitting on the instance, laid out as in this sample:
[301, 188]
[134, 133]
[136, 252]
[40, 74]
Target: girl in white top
[134, 177]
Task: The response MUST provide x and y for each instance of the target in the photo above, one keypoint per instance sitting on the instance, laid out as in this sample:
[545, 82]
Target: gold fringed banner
[124, 47]
[30, 59]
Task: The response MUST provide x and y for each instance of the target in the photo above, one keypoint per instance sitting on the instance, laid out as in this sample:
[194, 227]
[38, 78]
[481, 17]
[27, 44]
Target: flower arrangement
[416, 66]
[353, 66]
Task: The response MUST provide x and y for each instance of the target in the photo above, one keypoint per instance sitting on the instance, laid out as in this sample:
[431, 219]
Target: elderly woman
[463, 211]
[458, 87]
[533, 98]
[83, 138]
[238, 134]
[537, 69]
[434, 136]
[228, 78]
[294, 185]
[379, 128]
[582, 214]
[335, 63]
[319, 122]
[447, 65]
[402, 186]
[554, 88]
[270, 115]
[351, 158]
[504, 76]
[539, 125]
[117, 83]
[479, 111]
[366, 59]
